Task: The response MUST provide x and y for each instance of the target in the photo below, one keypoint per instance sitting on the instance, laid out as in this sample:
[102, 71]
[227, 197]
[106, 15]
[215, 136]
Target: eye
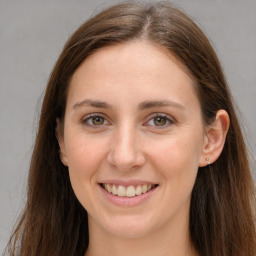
[160, 120]
[95, 120]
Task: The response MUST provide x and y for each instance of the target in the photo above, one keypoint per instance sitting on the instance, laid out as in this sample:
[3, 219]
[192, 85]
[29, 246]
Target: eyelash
[167, 118]
[90, 117]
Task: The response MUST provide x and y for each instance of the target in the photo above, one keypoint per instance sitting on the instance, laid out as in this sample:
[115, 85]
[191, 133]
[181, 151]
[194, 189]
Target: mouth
[128, 191]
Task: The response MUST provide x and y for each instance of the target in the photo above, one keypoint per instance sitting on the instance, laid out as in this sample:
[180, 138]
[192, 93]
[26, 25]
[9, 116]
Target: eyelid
[170, 120]
[91, 115]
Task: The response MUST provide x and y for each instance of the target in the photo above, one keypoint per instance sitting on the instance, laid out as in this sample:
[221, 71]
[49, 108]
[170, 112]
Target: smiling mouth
[129, 191]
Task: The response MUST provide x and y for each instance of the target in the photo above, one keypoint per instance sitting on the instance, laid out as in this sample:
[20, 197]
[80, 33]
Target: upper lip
[127, 182]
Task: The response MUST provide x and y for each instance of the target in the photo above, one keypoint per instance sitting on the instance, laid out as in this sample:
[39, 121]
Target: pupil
[159, 121]
[97, 120]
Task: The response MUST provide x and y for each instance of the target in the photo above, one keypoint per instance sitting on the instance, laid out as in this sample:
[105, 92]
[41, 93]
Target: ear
[60, 137]
[215, 138]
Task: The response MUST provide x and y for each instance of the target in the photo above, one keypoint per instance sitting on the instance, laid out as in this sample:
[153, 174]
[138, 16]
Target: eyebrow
[92, 103]
[159, 103]
[142, 106]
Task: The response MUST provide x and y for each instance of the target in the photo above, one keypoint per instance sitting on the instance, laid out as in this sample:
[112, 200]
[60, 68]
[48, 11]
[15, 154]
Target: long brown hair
[223, 200]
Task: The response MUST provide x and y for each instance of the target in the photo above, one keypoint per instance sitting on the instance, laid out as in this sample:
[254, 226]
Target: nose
[125, 151]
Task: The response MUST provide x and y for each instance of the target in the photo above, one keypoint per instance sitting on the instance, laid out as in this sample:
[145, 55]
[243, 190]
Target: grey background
[32, 34]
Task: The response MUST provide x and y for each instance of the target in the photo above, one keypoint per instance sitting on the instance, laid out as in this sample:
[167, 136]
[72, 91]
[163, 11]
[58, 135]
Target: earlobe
[215, 138]
[60, 138]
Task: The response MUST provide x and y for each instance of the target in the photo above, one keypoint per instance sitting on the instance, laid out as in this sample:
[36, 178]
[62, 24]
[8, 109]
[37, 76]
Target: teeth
[138, 190]
[144, 189]
[114, 190]
[109, 189]
[121, 191]
[130, 191]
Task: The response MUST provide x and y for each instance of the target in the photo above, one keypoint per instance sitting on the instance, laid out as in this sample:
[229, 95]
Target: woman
[139, 149]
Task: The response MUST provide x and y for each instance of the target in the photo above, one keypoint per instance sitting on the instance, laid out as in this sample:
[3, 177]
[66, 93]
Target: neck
[162, 242]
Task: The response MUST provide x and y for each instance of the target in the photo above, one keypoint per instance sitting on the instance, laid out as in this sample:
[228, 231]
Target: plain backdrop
[32, 34]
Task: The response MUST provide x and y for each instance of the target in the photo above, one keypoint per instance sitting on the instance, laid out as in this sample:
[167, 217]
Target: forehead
[135, 67]
[133, 53]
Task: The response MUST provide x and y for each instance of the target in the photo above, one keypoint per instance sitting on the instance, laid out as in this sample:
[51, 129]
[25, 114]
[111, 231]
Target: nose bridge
[125, 150]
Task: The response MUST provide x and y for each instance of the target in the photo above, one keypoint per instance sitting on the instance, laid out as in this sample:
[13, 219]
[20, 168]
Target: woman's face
[133, 139]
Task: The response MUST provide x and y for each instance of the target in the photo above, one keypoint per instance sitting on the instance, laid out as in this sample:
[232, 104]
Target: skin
[129, 144]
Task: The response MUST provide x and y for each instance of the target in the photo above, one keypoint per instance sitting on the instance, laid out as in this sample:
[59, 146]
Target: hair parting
[223, 198]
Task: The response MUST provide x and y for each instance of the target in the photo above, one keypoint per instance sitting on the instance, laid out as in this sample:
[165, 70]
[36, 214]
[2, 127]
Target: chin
[129, 227]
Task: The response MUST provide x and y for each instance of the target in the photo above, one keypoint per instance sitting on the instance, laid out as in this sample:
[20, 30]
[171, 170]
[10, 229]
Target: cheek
[84, 159]
[177, 159]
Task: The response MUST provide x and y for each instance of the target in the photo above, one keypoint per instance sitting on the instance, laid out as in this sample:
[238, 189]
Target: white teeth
[138, 190]
[114, 190]
[121, 191]
[130, 191]
[144, 189]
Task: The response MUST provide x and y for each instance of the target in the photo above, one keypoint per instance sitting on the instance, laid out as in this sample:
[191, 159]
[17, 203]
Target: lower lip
[128, 201]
